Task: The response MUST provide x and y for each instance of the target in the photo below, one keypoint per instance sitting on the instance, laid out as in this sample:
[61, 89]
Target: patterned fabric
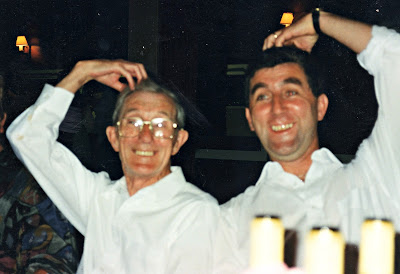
[34, 235]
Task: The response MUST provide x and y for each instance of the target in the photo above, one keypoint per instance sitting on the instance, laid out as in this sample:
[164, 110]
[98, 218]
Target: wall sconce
[21, 43]
[287, 19]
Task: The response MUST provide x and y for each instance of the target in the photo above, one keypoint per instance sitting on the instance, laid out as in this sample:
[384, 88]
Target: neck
[135, 183]
[298, 167]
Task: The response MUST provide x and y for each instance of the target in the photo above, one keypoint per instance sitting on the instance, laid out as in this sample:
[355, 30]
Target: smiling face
[284, 112]
[145, 157]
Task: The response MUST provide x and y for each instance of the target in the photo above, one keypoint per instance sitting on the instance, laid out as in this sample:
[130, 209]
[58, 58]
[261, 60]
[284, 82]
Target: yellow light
[287, 19]
[21, 42]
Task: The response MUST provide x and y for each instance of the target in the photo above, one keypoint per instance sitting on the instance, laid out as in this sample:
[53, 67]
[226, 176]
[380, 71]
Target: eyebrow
[257, 86]
[135, 109]
[290, 80]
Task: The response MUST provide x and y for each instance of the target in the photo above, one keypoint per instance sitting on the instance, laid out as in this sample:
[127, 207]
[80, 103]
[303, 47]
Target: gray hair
[149, 85]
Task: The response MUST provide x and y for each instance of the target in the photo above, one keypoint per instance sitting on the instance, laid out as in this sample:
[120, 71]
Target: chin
[141, 170]
[284, 155]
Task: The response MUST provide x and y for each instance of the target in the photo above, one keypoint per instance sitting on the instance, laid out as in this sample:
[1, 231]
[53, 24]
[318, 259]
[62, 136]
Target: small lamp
[287, 19]
[21, 43]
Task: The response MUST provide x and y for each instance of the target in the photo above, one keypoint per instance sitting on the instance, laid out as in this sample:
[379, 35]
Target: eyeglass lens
[161, 128]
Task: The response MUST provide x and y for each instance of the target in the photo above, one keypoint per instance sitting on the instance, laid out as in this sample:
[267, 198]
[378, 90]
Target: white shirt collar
[164, 189]
[322, 159]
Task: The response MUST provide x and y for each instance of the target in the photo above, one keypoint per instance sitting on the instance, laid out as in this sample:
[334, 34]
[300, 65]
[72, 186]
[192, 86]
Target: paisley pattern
[34, 236]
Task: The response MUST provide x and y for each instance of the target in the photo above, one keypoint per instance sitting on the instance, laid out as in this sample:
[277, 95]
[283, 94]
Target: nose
[277, 105]
[146, 134]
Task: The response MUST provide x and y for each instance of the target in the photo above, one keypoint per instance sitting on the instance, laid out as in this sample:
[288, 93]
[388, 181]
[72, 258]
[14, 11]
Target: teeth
[282, 127]
[144, 153]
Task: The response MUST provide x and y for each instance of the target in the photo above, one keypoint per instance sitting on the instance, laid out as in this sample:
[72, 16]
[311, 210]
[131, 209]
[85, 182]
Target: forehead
[151, 103]
[278, 74]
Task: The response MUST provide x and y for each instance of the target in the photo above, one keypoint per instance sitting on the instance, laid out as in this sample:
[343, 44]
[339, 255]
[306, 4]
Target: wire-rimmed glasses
[162, 128]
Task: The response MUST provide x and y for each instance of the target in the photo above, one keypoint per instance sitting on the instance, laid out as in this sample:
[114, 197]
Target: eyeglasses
[161, 128]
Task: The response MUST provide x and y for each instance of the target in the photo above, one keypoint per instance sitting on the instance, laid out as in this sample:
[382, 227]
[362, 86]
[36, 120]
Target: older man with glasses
[149, 221]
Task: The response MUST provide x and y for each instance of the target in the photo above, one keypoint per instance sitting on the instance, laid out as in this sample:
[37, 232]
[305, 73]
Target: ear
[113, 138]
[181, 139]
[2, 122]
[322, 105]
[249, 120]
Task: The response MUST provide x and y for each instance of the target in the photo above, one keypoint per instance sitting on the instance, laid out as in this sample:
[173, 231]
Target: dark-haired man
[303, 184]
[149, 221]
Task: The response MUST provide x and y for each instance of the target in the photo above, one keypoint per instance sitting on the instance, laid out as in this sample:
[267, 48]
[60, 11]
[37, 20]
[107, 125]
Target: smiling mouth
[282, 127]
[144, 153]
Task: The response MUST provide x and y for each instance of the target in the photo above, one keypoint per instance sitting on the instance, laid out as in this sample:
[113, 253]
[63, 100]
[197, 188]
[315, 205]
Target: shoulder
[188, 191]
[243, 198]
[197, 197]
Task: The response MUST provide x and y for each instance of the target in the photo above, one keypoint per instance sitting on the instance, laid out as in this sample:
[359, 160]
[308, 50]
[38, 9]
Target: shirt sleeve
[192, 251]
[66, 181]
[378, 154]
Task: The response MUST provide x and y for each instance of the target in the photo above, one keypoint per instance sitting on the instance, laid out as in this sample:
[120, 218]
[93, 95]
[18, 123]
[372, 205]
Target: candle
[266, 241]
[324, 251]
[376, 247]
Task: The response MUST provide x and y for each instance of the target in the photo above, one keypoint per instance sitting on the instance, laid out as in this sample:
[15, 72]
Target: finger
[119, 86]
[282, 38]
[269, 42]
[265, 45]
[289, 42]
[136, 70]
[142, 70]
[129, 78]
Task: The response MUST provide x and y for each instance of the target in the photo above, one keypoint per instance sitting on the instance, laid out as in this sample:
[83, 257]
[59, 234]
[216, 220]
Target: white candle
[266, 241]
[324, 251]
[376, 247]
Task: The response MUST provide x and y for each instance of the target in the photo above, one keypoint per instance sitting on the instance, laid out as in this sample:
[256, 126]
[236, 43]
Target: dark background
[196, 40]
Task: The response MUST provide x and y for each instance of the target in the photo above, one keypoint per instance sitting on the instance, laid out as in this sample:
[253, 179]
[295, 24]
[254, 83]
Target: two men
[162, 224]
[306, 185]
[149, 221]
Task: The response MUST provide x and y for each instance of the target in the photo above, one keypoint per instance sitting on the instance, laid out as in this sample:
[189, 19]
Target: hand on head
[108, 72]
[300, 34]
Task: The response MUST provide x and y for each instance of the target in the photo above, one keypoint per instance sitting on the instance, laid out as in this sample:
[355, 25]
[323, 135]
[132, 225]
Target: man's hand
[300, 34]
[355, 35]
[107, 72]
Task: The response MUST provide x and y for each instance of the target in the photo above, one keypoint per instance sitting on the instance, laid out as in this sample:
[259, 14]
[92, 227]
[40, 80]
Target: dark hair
[276, 56]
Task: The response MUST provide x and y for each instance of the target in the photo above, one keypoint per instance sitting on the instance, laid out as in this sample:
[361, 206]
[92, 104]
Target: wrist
[80, 72]
[75, 79]
[315, 16]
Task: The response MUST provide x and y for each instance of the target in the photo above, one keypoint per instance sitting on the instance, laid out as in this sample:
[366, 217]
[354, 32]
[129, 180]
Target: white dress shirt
[332, 194]
[168, 227]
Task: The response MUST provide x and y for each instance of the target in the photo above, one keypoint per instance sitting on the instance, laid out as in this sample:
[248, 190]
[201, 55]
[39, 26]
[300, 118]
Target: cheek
[165, 150]
[302, 108]
[260, 111]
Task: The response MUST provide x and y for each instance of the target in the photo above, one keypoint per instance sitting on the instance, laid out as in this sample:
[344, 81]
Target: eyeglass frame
[149, 123]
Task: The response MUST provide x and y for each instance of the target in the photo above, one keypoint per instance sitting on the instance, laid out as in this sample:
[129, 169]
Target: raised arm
[33, 136]
[353, 34]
